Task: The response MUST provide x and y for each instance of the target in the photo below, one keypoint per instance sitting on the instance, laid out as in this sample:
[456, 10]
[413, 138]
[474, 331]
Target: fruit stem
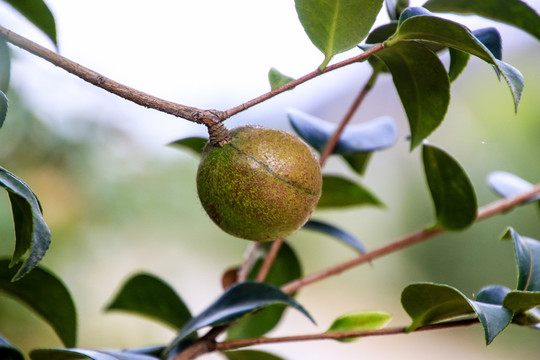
[219, 134]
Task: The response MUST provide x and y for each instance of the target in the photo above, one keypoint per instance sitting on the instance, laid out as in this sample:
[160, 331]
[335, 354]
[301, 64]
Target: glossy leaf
[3, 108]
[237, 301]
[336, 233]
[147, 295]
[340, 192]
[394, 8]
[493, 294]
[369, 320]
[47, 296]
[458, 61]
[527, 253]
[32, 236]
[195, 144]
[77, 354]
[422, 84]
[372, 135]
[5, 66]
[286, 268]
[37, 12]
[337, 26]
[506, 184]
[428, 303]
[277, 79]
[491, 39]
[412, 11]
[452, 34]
[250, 355]
[514, 12]
[451, 190]
[8, 351]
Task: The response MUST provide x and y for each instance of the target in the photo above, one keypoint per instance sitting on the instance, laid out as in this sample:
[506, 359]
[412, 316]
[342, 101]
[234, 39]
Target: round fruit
[261, 186]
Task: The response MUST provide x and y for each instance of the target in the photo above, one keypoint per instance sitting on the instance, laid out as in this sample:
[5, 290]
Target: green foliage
[8, 351]
[338, 191]
[250, 355]
[277, 79]
[336, 233]
[77, 354]
[5, 66]
[195, 144]
[37, 12]
[369, 320]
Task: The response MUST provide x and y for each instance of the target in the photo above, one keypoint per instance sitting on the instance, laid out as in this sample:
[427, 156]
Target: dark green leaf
[458, 62]
[8, 351]
[491, 39]
[452, 34]
[31, 232]
[394, 8]
[506, 184]
[428, 303]
[250, 355]
[358, 162]
[412, 11]
[520, 301]
[358, 138]
[237, 301]
[195, 144]
[339, 192]
[3, 107]
[514, 12]
[286, 268]
[493, 294]
[382, 33]
[77, 354]
[422, 84]
[527, 252]
[368, 320]
[5, 66]
[147, 295]
[277, 79]
[37, 12]
[46, 295]
[337, 26]
[336, 233]
[451, 190]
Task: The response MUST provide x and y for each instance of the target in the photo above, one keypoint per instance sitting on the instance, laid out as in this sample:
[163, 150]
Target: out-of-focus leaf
[285, 268]
[520, 301]
[8, 351]
[250, 355]
[506, 184]
[37, 12]
[336, 233]
[527, 252]
[3, 107]
[358, 162]
[458, 62]
[32, 236]
[369, 320]
[382, 33]
[514, 12]
[277, 79]
[491, 39]
[5, 66]
[194, 143]
[78, 354]
[428, 303]
[237, 301]
[372, 135]
[47, 296]
[451, 190]
[493, 294]
[394, 8]
[452, 34]
[151, 351]
[147, 295]
[337, 26]
[422, 84]
[340, 192]
[412, 11]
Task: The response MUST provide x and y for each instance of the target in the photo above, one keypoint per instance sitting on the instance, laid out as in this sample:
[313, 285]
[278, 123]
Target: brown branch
[484, 212]
[269, 260]
[236, 344]
[243, 271]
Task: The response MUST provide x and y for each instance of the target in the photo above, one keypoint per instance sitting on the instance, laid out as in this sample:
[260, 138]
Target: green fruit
[261, 186]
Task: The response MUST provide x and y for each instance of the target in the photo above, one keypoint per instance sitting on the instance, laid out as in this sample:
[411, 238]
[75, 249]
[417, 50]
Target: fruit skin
[262, 186]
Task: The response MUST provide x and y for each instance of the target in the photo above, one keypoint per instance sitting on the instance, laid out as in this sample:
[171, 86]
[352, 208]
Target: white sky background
[204, 53]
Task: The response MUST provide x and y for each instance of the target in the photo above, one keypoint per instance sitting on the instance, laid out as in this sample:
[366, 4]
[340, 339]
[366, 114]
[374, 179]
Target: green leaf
[358, 162]
[147, 295]
[382, 33]
[458, 62]
[428, 303]
[340, 192]
[250, 355]
[237, 301]
[492, 294]
[369, 320]
[47, 296]
[337, 26]
[3, 108]
[452, 34]
[277, 79]
[451, 190]
[8, 351]
[195, 144]
[527, 253]
[77, 354]
[286, 268]
[394, 8]
[5, 66]
[32, 236]
[520, 301]
[37, 12]
[336, 233]
[514, 12]
[422, 84]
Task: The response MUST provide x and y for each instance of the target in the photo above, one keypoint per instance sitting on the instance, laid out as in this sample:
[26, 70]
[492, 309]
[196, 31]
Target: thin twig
[484, 212]
[269, 260]
[243, 272]
[332, 142]
[236, 344]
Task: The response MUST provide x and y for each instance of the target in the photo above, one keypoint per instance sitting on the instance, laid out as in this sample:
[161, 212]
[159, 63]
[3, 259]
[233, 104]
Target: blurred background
[119, 200]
